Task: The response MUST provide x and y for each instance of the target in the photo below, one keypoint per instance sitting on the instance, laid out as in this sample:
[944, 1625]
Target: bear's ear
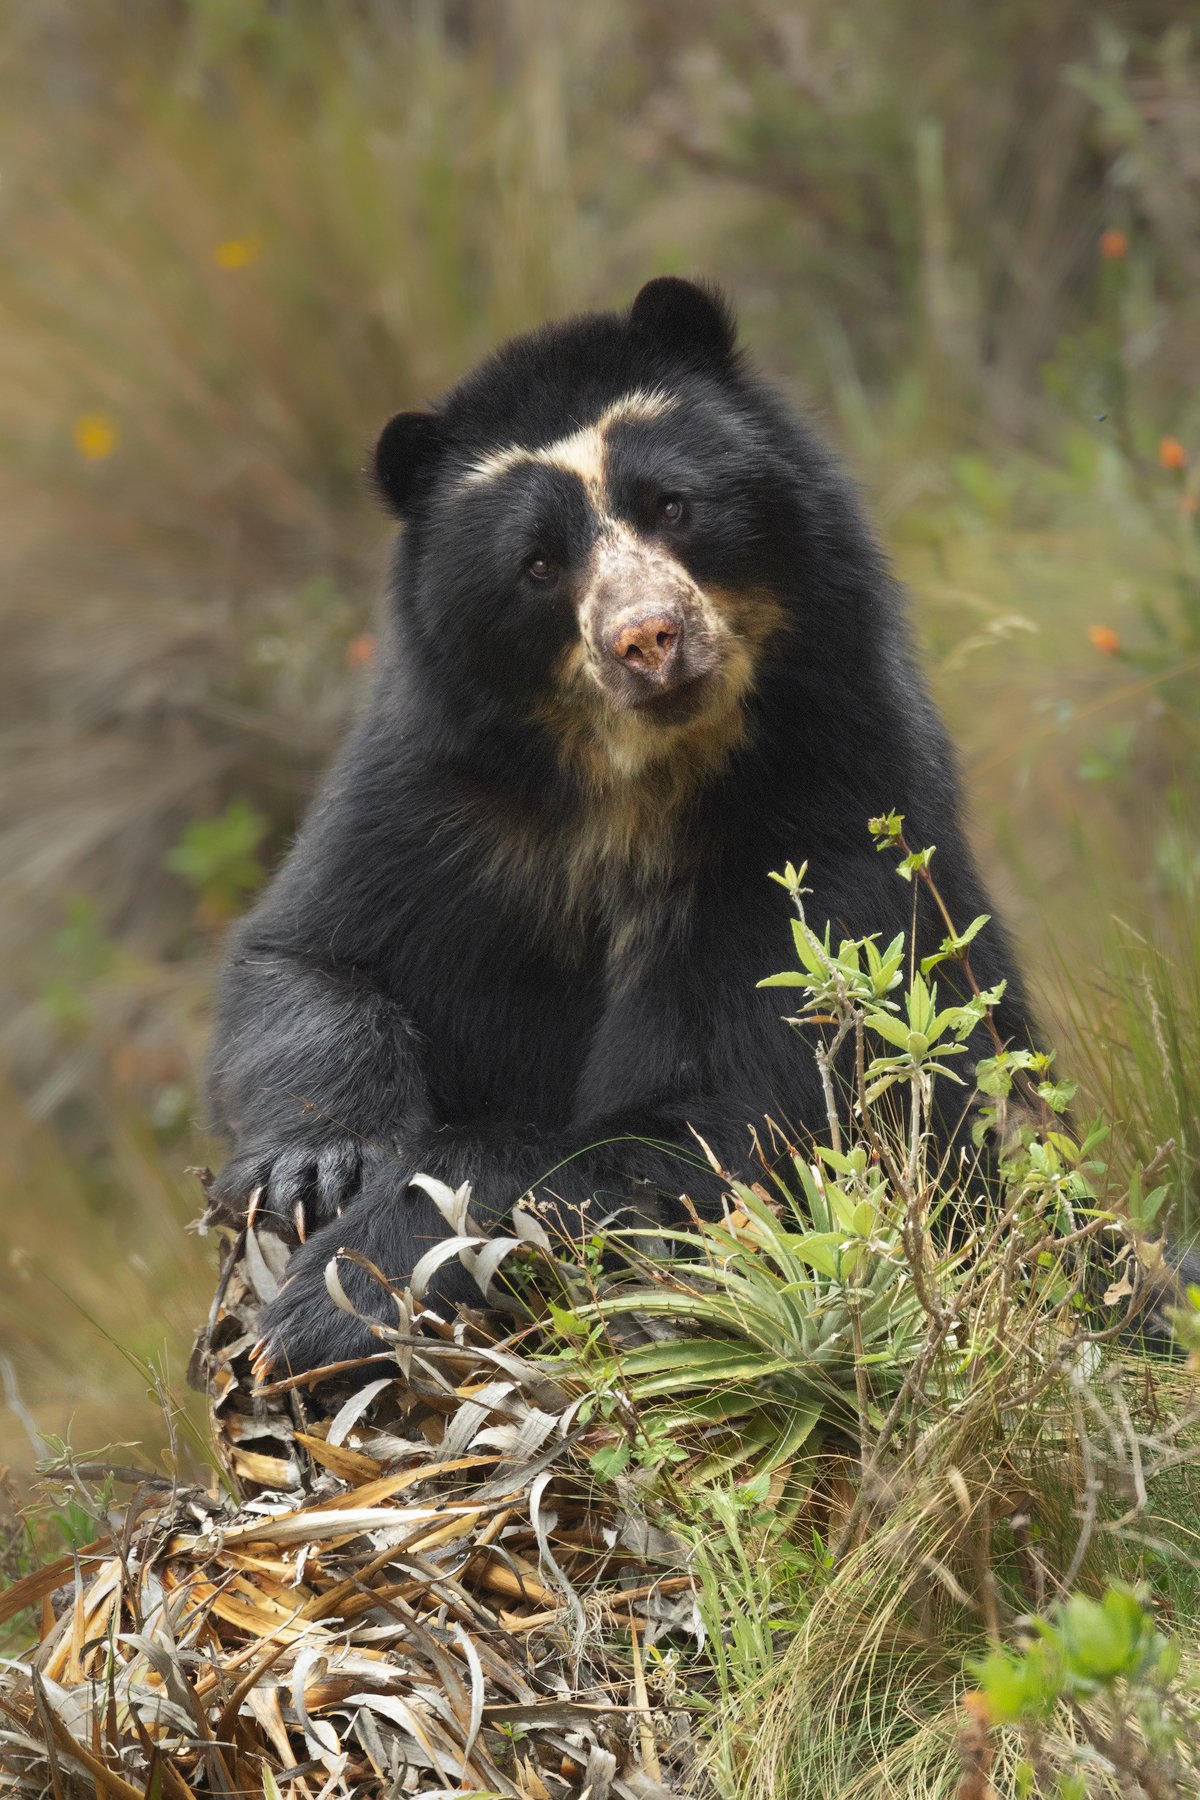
[683, 316]
[408, 451]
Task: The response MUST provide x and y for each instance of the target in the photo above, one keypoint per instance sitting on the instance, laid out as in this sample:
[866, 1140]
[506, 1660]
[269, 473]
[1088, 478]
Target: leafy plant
[219, 859]
[1115, 1672]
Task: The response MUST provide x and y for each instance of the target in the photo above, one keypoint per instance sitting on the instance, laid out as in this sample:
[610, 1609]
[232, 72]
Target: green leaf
[889, 1028]
[1100, 1638]
[864, 1218]
[566, 1322]
[955, 945]
[840, 1204]
[657, 1367]
[1143, 1208]
[808, 949]
[853, 1162]
[1169, 1662]
[1019, 1687]
[716, 1407]
[792, 878]
[610, 1461]
[913, 864]
[886, 829]
[884, 970]
[803, 1421]
[824, 1251]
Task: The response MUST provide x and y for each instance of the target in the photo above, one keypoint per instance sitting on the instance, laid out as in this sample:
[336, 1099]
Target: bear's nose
[648, 645]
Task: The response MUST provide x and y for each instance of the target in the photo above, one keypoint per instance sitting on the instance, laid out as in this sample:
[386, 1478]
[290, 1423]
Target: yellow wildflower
[95, 436]
[237, 253]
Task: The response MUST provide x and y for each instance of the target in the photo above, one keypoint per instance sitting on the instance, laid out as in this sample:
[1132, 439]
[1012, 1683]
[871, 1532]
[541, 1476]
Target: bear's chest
[592, 881]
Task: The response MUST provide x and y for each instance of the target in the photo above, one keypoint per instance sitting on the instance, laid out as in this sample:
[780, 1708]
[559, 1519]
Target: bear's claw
[303, 1186]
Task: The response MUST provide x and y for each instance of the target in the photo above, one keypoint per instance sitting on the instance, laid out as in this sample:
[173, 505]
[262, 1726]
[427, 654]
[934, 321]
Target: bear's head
[600, 524]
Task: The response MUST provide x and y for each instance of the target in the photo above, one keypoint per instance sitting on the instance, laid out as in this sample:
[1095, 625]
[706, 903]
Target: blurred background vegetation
[238, 234]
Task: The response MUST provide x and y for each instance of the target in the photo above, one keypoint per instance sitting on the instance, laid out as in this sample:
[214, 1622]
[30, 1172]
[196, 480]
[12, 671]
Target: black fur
[400, 1003]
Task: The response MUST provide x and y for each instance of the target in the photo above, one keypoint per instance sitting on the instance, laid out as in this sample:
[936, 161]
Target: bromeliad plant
[760, 1328]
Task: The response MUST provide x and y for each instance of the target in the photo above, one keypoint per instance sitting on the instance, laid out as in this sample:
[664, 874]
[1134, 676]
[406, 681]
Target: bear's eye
[540, 567]
[670, 509]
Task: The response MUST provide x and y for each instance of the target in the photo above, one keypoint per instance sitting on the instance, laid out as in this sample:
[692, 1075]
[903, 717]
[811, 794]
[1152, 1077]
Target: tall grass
[101, 1283]
[1136, 1032]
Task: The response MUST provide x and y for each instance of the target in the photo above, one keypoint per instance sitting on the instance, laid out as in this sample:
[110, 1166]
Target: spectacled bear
[642, 650]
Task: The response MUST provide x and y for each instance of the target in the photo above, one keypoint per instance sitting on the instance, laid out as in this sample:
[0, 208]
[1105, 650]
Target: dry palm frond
[419, 1590]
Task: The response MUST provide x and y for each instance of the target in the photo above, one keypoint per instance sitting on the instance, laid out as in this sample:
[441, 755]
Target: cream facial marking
[602, 737]
[623, 562]
[583, 452]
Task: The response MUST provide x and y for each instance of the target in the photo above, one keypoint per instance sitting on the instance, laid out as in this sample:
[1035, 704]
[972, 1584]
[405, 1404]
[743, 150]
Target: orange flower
[94, 436]
[1104, 638]
[360, 650]
[1113, 245]
[1171, 453]
[237, 253]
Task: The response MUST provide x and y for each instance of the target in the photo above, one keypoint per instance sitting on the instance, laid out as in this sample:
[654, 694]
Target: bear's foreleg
[316, 1077]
